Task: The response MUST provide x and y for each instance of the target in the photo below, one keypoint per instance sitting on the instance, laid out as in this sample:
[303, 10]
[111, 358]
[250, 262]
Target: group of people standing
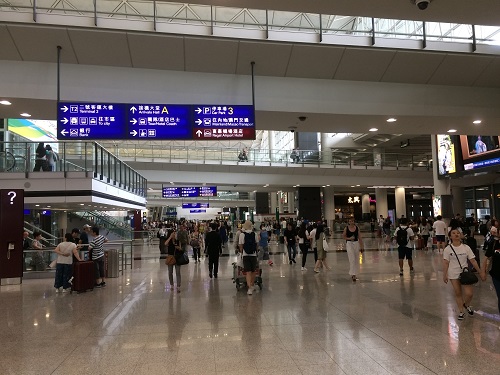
[45, 158]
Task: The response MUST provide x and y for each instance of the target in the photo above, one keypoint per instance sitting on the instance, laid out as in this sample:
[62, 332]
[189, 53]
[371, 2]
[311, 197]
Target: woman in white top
[452, 267]
[64, 267]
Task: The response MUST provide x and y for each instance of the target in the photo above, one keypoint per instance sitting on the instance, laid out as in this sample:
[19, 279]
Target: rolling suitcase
[419, 245]
[83, 276]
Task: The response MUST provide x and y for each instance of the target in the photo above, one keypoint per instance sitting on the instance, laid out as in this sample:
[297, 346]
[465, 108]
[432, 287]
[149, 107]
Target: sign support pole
[59, 48]
[253, 88]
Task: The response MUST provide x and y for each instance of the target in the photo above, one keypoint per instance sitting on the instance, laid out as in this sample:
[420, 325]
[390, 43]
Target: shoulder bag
[466, 277]
[181, 258]
[325, 244]
[170, 260]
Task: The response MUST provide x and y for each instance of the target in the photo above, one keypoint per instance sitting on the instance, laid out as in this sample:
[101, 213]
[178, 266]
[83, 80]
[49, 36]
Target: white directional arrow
[64, 121]
[64, 132]
[134, 133]
[198, 110]
[133, 121]
[198, 122]
[198, 133]
[133, 109]
[64, 109]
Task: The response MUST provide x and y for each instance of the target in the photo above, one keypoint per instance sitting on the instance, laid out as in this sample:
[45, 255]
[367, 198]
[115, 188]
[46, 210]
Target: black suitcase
[83, 276]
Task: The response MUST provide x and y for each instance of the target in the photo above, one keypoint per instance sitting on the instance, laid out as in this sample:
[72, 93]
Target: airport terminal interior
[129, 115]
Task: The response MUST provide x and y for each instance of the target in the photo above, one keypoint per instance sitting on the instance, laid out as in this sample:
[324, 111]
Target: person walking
[493, 257]
[64, 263]
[248, 250]
[51, 157]
[196, 244]
[319, 237]
[290, 242]
[172, 245]
[264, 245]
[37, 256]
[455, 256]
[304, 244]
[404, 235]
[424, 229]
[354, 244]
[312, 235]
[213, 246]
[439, 228]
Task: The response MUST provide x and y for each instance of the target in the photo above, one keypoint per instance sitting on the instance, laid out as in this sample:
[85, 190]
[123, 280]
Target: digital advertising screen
[35, 130]
[446, 155]
[436, 205]
[480, 151]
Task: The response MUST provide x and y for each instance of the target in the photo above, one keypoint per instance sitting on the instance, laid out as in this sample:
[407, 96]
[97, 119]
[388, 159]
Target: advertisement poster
[436, 205]
[446, 155]
[35, 130]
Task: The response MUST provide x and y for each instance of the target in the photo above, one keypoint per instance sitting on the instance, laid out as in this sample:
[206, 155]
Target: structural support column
[62, 222]
[329, 205]
[381, 198]
[280, 203]
[291, 202]
[458, 200]
[400, 202]
[273, 201]
[365, 206]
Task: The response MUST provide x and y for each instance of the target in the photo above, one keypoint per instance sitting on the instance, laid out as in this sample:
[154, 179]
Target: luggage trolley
[239, 277]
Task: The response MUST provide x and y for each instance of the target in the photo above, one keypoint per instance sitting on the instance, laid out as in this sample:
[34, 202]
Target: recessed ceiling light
[324, 186]
[353, 186]
[297, 185]
[81, 204]
[5, 102]
[373, 129]
[358, 185]
[327, 185]
[49, 206]
[37, 205]
[392, 119]
[452, 131]
[476, 122]
[24, 114]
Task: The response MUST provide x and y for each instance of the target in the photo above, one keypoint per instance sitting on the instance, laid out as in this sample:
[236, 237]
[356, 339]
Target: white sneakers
[250, 291]
[303, 269]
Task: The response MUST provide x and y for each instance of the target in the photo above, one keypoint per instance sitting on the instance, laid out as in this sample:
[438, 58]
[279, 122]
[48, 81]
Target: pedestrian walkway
[300, 323]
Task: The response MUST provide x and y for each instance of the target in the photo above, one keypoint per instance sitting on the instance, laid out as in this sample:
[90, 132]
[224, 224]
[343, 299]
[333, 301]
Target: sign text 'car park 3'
[93, 121]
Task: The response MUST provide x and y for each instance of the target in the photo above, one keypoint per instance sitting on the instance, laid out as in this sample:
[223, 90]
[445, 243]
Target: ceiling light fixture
[392, 119]
[477, 122]
[373, 129]
[452, 131]
[24, 114]
[37, 205]
[5, 102]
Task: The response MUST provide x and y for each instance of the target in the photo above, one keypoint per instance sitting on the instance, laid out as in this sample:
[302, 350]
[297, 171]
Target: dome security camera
[421, 4]
[302, 118]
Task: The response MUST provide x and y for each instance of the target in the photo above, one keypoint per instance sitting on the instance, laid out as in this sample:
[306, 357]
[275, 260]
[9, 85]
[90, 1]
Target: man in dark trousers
[213, 246]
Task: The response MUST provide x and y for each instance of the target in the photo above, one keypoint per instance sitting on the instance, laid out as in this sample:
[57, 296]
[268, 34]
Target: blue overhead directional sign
[190, 192]
[195, 205]
[92, 121]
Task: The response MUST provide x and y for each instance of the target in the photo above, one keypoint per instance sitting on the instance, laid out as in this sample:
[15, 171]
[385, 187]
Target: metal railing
[417, 160]
[161, 16]
[103, 220]
[89, 157]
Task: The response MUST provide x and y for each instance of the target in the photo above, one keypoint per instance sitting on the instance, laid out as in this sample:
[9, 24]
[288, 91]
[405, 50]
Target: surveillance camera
[302, 118]
[292, 129]
[422, 4]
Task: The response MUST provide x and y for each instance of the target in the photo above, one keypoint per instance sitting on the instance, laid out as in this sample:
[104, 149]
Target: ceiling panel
[314, 61]
[271, 59]
[8, 51]
[412, 67]
[211, 55]
[156, 51]
[460, 70]
[363, 64]
[490, 77]
[38, 43]
[93, 47]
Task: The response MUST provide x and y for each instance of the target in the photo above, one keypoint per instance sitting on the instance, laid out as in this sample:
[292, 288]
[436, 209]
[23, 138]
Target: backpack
[402, 236]
[250, 245]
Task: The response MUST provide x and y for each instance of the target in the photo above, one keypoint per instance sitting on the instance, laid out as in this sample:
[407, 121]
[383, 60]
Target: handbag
[325, 244]
[182, 258]
[170, 260]
[466, 277]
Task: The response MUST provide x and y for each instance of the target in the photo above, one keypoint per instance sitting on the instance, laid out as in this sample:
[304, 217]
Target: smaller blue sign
[195, 205]
[171, 192]
[46, 212]
[187, 192]
[197, 211]
[27, 212]
[208, 191]
[482, 164]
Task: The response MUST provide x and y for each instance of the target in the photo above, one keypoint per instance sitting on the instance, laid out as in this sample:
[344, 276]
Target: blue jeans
[292, 249]
[63, 274]
[496, 284]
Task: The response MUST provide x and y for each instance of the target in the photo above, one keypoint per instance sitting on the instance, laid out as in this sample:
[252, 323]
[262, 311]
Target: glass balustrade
[204, 19]
[89, 157]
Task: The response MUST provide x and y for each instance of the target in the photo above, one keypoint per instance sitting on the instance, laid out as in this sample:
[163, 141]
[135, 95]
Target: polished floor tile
[299, 323]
